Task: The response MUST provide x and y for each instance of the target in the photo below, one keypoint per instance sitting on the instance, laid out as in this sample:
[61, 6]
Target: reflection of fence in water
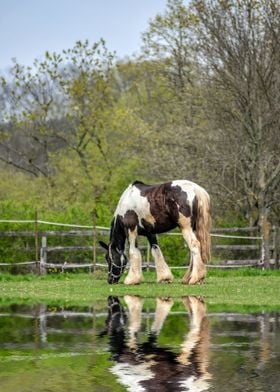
[250, 242]
[246, 342]
[266, 324]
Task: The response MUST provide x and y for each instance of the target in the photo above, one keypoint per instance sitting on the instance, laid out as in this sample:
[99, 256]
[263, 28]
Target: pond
[136, 344]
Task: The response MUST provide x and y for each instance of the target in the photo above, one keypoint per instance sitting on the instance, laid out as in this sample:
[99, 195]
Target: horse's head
[116, 260]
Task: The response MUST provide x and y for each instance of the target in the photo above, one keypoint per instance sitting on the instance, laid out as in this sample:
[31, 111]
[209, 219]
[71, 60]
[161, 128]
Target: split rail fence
[250, 240]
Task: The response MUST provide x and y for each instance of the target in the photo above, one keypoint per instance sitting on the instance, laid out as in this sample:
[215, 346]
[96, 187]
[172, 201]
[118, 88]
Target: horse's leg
[189, 271]
[163, 272]
[134, 305]
[196, 343]
[197, 270]
[135, 275]
[162, 310]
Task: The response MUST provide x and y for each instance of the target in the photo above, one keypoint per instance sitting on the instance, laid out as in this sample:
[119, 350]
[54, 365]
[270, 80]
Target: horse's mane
[138, 182]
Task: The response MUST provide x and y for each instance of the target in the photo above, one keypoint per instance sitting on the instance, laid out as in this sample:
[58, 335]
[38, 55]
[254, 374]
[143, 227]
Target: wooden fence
[42, 249]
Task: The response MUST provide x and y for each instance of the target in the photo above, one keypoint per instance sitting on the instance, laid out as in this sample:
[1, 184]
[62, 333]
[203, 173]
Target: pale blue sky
[30, 27]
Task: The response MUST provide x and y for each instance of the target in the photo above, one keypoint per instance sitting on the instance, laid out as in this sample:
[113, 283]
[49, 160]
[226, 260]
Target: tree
[26, 138]
[238, 46]
[65, 120]
[178, 135]
[71, 88]
[168, 39]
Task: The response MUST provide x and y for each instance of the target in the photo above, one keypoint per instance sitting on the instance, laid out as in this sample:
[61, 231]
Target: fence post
[36, 235]
[265, 234]
[276, 245]
[94, 240]
[148, 256]
[43, 255]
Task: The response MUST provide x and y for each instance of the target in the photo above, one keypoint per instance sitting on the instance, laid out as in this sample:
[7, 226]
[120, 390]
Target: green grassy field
[243, 289]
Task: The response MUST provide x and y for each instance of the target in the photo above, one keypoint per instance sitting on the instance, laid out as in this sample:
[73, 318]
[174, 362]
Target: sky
[28, 28]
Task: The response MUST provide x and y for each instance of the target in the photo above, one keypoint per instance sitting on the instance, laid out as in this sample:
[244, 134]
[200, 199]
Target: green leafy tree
[168, 39]
[65, 121]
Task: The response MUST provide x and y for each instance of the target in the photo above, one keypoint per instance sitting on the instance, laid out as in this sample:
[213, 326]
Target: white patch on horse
[191, 188]
[163, 272]
[163, 308]
[132, 375]
[135, 275]
[132, 199]
[194, 384]
[188, 187]
[135, 305]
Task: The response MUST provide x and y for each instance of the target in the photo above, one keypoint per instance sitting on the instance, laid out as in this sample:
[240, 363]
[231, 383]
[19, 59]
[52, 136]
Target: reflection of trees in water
[146, 365]
[245, 352]
[244, 347]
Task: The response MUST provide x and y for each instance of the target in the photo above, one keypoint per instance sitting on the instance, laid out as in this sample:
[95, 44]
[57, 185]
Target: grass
[243, 289]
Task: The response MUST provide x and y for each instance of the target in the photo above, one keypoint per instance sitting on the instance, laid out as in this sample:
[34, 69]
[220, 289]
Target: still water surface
[132, 344]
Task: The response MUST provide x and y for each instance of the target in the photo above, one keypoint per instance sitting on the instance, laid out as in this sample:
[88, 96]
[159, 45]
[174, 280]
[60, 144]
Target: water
[132, 344]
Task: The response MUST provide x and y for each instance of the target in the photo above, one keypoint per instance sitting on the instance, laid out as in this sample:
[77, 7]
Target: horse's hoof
[192, 281]
[197, 282]
[165, 299]
[189, 281]
[167, 280]
[132, 281]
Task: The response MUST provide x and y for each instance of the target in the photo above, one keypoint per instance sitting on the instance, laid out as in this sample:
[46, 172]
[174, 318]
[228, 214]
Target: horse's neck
[117, 234]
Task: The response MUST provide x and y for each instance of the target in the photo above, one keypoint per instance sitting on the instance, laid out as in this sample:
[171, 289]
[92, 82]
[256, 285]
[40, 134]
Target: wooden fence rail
[42, 249]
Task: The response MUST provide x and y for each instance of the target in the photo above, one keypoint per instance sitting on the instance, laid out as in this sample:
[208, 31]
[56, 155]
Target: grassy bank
[248, 289]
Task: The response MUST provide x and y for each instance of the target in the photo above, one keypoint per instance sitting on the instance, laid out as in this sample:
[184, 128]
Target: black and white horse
[152, 209]
[142, 364]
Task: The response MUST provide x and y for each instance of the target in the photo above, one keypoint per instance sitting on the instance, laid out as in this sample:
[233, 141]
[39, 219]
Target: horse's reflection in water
[146, 366]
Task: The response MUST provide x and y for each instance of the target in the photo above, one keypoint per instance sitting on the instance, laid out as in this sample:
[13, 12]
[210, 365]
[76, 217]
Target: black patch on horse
[136, 182]
[115, 327]
[181, 199]
[130, 219]
[166, 201]
[194, 213]
[119, 237]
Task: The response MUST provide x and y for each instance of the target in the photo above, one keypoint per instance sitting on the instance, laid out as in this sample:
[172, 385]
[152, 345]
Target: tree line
[200, 102]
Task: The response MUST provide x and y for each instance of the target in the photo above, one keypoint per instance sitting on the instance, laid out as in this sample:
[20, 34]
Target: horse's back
[189, 186]
[156, 207]
[139, 197]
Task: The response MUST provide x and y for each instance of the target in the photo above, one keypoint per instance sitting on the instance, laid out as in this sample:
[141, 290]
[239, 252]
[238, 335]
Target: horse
[143, 364]
[148, 210]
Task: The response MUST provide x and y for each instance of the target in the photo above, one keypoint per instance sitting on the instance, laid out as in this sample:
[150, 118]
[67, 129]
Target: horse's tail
[203, 223]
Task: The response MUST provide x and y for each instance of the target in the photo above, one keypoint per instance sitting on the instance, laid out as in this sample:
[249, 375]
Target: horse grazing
[148, 210]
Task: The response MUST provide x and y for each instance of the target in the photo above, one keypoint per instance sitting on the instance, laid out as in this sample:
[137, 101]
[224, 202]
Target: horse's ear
[105, 246]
